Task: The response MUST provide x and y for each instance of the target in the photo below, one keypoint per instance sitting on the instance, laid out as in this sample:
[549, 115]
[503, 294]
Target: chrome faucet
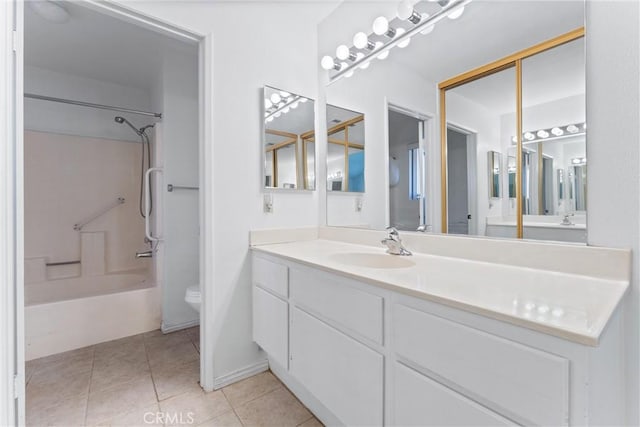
[394, 243]
[566, 220]
[145, 254]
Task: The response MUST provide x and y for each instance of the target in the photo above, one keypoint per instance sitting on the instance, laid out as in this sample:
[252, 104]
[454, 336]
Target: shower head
[121, 120]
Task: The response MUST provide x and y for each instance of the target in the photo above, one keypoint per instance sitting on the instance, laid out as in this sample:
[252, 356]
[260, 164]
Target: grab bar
[78, 226]
[147, 202]
[51, 264]
[172, 187]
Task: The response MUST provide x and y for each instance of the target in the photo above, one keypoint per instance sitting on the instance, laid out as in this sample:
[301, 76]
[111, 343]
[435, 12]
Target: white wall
[75, 120]
[613, 113]
[262, 53]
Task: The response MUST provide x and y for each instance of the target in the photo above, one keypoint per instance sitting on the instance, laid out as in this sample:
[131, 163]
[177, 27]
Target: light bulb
[456, 13]
[514, 139]
[542, 134]
[404, 43]
[572, 129]
[267, 103]
[327, 63]
[383, 55]
[584, 126]
[270, 119]
[285, 110]
[380, 25]
[295, 104]
[407, 12]
[275, 98]
[303, 99]
[557, 131]
[342, 52]
[349, 74]
[277, 114]
[284, 94]
[360, 40]
[281, 105]
[365, 64]
[529, 136]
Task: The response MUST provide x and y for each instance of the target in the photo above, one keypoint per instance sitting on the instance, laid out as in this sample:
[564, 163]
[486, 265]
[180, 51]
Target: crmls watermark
[169, 418]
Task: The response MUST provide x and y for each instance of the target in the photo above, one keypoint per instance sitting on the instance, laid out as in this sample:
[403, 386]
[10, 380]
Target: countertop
[574, 307]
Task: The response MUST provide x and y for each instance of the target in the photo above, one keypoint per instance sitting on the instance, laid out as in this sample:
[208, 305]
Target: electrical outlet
[268, 203]
[359, 204]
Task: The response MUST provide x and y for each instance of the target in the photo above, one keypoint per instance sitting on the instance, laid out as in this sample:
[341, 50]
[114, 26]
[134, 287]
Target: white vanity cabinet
[357, 353]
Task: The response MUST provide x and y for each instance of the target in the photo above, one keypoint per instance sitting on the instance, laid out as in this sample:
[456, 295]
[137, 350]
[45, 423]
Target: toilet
[192, 297]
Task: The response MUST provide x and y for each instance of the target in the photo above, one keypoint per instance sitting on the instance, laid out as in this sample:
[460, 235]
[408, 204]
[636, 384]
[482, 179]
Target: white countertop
[575, 307]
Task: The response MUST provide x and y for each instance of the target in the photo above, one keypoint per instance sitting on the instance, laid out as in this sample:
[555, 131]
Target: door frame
[12, 360]
[426, 134]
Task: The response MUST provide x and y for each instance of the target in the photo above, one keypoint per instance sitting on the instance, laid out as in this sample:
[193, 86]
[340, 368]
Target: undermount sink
[373, 260]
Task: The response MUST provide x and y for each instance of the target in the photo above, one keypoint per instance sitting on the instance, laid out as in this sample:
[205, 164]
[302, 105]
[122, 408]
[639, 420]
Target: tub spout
[144, 254]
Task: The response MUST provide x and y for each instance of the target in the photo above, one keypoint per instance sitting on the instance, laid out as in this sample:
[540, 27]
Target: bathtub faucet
[144, 254]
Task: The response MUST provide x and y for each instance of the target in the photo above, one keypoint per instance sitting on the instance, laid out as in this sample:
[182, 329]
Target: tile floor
[151, 379]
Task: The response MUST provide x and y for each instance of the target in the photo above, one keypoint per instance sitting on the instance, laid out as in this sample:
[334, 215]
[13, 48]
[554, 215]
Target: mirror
[345, 150]
[495, 175]
[411, 77]
[289, 146]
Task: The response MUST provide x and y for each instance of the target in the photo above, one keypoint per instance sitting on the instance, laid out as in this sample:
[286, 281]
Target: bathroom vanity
[480, 332]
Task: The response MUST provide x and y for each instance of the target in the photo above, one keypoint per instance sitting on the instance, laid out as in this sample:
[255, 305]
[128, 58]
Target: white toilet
[192, 297]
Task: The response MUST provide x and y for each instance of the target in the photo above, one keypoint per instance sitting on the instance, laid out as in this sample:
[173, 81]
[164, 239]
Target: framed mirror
[345, 150]
[288, 143]
[494, 163]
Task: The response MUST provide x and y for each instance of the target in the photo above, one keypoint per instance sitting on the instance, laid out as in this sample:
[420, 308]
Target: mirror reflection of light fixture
[394, 34]
[549, 134]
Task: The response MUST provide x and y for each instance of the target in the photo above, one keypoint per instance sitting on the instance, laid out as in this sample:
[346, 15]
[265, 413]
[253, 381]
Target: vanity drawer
[421, 401]
[524, 384]
[332, 298]
[271, 275]
[271, 325]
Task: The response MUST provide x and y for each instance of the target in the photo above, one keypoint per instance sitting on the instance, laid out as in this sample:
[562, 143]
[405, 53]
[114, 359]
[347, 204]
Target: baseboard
[166, 329]
[240, 374]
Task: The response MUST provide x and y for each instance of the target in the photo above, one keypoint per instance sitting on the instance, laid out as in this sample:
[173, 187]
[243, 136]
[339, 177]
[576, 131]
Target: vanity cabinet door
[421, 401]
[270, 325]
[345, 375]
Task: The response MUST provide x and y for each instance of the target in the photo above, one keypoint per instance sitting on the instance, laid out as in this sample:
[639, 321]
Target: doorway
[461, 182]
[407, 174]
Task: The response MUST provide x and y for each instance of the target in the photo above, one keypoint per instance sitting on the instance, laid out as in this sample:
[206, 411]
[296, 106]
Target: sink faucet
[566, 220]
[394, 243]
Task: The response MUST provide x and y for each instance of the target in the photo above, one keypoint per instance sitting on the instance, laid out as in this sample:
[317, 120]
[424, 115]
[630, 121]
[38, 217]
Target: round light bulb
[405, 9]
[360, 40]
[428, 28]
[572, 128]
[514, 139]
[277, 114]
[529, 136]
[404, 43]
[342, 52]
[380, 25]
[349, 74]
[542, 134]
[303, 99]
[557, 131]
[270, 119]
[295, 104]
[267, 103]
[285, 110]
[275, 98]
[584, 126]
[327, 62]
[284, 94]
[365, 64]
[456, 13]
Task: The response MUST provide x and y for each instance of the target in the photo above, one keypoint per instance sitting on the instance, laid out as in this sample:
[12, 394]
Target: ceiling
[93, 45]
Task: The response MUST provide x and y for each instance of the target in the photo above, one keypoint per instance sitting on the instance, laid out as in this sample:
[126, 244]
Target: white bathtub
[66, 314]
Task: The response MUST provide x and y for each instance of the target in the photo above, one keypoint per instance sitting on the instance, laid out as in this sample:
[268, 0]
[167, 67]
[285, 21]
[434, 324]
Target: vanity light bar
[277, 108]
[550, 134]
[392, 36]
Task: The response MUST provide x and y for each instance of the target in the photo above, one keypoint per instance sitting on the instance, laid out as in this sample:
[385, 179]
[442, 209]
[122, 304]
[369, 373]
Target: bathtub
[66, 314]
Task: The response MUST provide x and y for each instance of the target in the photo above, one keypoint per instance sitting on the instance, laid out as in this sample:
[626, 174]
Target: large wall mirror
[509, 78]
[289, 142]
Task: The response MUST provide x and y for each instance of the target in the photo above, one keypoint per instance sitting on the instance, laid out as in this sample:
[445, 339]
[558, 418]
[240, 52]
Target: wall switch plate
[359, 204]
[268, 203]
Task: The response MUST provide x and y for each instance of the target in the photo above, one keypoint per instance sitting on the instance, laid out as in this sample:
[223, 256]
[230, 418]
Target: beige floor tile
[64, 364]
[160, 342]
[105, 376]
[139, 417]
[130, 348]
[251, 388]
[167, 357]
[194, 407]
[67, 413]
[277, 408]
[176, 380]
[50, 388]
[121, 399]
[194, 332]
[313, 422]
[228, 419]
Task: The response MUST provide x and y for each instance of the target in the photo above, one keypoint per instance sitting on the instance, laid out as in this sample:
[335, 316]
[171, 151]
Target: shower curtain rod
[88, 104]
